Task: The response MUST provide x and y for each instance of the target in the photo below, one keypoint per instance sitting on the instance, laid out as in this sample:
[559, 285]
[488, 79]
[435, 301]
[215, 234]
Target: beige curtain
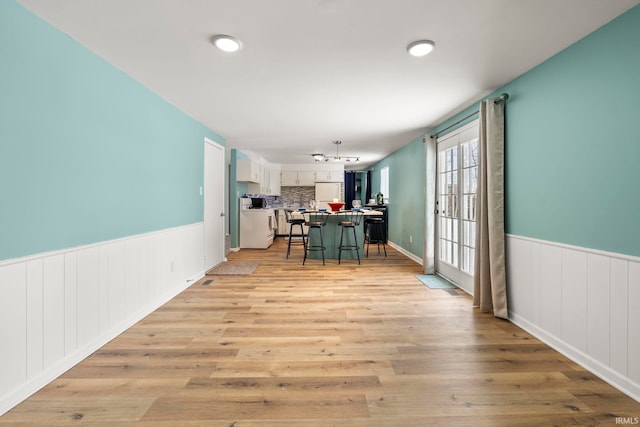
[490, 285]
[429, 250]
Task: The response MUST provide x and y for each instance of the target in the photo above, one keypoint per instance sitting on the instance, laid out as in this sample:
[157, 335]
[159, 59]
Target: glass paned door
[448, 201]
[469, 189]
[457, 175]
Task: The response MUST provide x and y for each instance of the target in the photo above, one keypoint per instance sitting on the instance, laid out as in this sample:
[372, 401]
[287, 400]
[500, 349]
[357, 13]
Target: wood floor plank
[339, 345]
[259, 406]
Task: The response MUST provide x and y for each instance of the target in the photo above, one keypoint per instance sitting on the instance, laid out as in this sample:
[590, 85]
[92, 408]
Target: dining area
[335, 233]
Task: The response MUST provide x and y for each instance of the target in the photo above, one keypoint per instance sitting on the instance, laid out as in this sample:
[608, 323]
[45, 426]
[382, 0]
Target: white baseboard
[405, 252]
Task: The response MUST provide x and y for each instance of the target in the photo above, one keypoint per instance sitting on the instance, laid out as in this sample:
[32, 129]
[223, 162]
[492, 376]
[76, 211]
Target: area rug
[433, 281]
[233, 268]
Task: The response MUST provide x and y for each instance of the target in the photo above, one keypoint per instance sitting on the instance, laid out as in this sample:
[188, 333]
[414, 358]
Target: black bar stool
[374, 232]
[315, 221]
[349, 220]
[295, 221]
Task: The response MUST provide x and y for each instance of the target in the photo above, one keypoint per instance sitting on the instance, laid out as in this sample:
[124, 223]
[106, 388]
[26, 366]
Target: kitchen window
[384, 183]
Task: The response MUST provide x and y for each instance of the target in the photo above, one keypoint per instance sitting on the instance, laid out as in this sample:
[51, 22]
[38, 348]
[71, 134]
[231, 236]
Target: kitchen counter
[331, 235]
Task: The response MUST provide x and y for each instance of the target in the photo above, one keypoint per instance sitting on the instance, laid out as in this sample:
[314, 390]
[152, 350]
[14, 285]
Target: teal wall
[406, 195]
[572, 144]
[86, 153]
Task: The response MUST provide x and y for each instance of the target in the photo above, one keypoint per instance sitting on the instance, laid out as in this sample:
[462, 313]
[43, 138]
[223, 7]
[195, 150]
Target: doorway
[214, 215]
[456, 188]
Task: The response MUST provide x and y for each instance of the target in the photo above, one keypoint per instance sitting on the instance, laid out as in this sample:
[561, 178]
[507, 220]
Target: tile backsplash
[296, 196]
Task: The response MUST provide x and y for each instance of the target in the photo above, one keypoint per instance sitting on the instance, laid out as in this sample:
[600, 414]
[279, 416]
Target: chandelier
[319, 157]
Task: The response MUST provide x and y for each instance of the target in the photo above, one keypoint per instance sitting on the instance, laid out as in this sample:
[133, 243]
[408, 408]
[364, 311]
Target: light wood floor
[340, 345]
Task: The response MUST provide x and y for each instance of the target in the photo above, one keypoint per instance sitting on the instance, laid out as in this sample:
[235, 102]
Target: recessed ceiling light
[226, 43]
[420, 47]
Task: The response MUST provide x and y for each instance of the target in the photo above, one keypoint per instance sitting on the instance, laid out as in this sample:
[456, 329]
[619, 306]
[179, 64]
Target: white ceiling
[314, 71]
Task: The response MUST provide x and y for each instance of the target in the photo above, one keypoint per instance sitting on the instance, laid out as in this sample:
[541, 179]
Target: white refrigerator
[327, 192]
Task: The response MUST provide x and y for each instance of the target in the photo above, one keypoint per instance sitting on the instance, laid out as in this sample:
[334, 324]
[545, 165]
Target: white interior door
[457, 173]
[214, 216]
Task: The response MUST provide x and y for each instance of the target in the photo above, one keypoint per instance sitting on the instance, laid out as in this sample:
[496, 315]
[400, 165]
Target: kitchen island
[331, 235]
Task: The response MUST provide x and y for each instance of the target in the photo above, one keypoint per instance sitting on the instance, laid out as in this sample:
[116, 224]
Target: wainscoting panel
[585, 303]
[57, 308]
[634, 322]
[35, 316]
[88, 296]
[70, 307]
[550, 287]
[598, 311]
[53, 309]
[619, 315]
[574, 298]
[13, 307]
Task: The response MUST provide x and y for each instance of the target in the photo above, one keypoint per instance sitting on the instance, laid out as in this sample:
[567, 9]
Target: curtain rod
[498, 100]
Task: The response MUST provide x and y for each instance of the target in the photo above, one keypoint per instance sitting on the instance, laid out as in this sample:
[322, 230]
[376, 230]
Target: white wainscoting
[59, 307]
[584, 303]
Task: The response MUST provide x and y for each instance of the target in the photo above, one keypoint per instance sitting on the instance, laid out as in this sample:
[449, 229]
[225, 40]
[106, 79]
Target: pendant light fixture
[319, 157]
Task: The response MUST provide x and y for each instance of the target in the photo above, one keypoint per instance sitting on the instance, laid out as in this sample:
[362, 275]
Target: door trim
[223, 212]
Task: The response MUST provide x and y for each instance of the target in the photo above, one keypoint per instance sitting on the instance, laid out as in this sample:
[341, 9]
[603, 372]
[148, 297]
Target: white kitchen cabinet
[336, 175]
[298, 178]
[288, 178]
[248, 170]
[306, 178]
[265, 180]
[275, 182]
[270, 182]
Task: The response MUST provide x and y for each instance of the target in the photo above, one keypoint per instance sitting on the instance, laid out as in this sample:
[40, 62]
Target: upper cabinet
[268, 178]
[307, 178]
[248, 170]
[275, 184]
[289, 178]
[263, 177]
[292, 178]
[336, 175]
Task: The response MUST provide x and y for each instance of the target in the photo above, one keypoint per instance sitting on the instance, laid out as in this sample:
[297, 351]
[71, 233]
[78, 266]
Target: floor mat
[232, 268]
[433, 281]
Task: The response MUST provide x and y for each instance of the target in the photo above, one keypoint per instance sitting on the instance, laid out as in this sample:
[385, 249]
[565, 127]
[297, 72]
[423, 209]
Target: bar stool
[295, 221]
[374, 232]
[315, 221]
[350, 220]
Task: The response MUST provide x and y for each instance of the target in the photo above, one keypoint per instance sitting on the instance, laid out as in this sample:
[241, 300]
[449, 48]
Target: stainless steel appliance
[258, 202]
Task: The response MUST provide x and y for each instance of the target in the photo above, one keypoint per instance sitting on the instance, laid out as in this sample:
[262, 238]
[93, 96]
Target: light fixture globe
[226, 43]
[420, 47]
